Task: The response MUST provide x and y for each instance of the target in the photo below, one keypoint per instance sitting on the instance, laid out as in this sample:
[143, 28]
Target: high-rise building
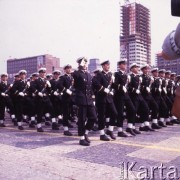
[173, 65]
[32, 64]
[93, 64]
[135, 40]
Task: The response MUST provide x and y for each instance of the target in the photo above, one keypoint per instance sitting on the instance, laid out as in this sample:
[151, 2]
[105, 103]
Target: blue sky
[71, 28]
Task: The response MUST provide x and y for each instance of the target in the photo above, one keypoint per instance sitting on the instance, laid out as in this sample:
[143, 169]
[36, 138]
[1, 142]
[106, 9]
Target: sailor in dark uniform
[122, 100]
[104, 101]
[147, 81]
[170, 95]
[156, 93]
[165, 98]
[42, 88]
[19, 88]
[135, 94]
[65, 87]
[5, 100]
[31, 100]
[84, 101]
[56, 98]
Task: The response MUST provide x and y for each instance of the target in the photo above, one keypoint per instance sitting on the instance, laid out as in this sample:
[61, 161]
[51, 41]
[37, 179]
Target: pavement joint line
[115, 142]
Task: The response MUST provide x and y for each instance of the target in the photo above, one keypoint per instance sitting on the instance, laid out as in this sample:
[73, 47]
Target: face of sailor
[135, 70]
[106, 67]
[155, 73]
[68, 70]
[22, 76]
[123, 66]
[16, 78]
[56, 75]
[173, 78]
[145, 70]
[167, 76]
[42, 74]
[162, 74]
[4, 78]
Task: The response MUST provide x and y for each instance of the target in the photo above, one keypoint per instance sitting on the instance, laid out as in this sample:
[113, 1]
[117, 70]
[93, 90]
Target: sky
[69, 29]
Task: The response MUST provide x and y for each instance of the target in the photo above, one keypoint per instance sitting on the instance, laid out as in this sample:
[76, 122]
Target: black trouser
[86, 118]
[2, 108]
[103, 109]
[120, 102]
[19, 104]
[163, 109]
[9, 105]
[153, 106]
[43, 104]
[66, 113]
[169, 104]
[141, 107]
[30, 106]
[57, 105]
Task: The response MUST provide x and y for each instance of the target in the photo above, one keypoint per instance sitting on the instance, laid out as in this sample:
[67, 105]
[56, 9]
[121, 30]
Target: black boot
[40, 129]
[111, 134]
[104, 138]
[160, 123]
[20, 128]
[83, 142]
[87, 138]
[130, 131]
[136, 131]
[122, 134]
[155, 126]
[55, 126]
[67, 133]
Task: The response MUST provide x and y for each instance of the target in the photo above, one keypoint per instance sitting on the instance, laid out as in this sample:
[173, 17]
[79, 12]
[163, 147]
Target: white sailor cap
[16, 75]
[80, 59]
[49, 75]
[22, 72]
[168, 72]
[173, 74]
[145, 66]
[36, 74]
[154, 69]
[122, 61]
[4, 74]
[105, 62]
[133, 65]
[67, 66]
[57, 72]
[42, 70]
[162, 71]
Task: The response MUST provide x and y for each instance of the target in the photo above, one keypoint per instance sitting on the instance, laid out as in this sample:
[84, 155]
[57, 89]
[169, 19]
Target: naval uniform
[104, 101]
[121, 99]
[134, 91]
[84, 101]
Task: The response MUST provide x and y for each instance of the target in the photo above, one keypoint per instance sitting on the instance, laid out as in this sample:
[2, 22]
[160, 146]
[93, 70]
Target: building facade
[135, 40]
[93, 64]
[173, 65]
[32, 64]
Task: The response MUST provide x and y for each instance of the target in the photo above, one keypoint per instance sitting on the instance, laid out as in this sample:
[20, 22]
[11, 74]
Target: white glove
[56, 93]
[48, 83]
[40, 94]
[3, 94]
[111, 93]
[106, 90]
[94, 103]
[148, 89]
[11, 85]
[137, 91]
[160, 89]
[165, 91]
[21, 94]
[68, 91]
[124, 89]
[28, 84]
